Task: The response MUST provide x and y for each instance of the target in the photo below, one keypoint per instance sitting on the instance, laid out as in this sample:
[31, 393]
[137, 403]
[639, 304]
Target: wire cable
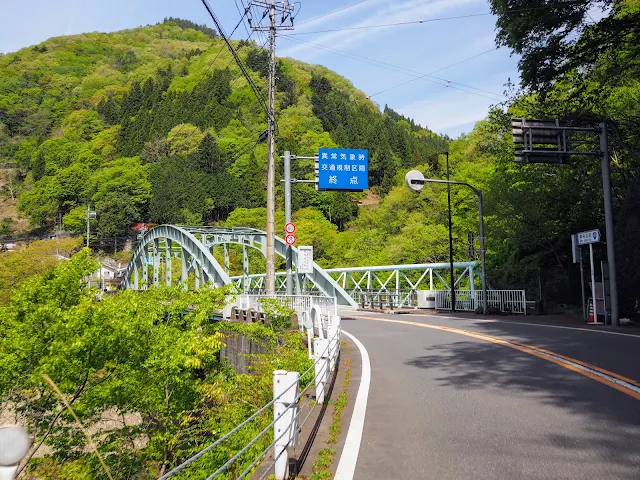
[430, 20]
[332, 12]
[255, 89]
[396, 68]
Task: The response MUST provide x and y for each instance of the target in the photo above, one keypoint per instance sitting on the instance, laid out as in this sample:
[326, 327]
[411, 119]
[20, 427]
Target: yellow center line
[561, 360]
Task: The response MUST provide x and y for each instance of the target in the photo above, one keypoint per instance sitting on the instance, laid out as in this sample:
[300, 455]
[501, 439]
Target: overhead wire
[396, 68]
[239, 62]
[430, 20]
[332, 12]
[327, 112]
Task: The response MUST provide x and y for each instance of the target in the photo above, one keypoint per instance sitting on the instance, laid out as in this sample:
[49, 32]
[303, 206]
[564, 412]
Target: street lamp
[415, 180]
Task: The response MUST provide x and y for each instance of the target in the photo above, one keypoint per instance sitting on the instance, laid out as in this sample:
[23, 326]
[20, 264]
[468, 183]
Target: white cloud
[407, 11]
[450, 113]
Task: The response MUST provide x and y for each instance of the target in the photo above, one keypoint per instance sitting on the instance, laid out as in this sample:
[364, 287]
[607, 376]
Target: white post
[332, 334]
[8, 473]
[285, 408]
[593, 285]
[321, 366]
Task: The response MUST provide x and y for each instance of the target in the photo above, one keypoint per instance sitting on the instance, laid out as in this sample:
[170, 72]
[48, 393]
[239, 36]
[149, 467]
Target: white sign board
[305, 260]
[585, 238]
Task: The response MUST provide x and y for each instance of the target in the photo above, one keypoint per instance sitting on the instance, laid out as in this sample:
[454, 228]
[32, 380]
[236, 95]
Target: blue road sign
[343, 169]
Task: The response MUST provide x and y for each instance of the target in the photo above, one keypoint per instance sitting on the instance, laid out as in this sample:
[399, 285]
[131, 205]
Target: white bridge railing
[292, 406]
[506, 301]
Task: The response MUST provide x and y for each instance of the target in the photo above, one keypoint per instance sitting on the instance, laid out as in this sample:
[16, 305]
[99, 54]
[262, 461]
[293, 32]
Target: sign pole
[287, 217]
[584, 300]
[593, 285]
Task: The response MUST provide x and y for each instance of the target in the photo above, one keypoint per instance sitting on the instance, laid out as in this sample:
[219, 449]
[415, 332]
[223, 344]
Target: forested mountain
[157, 124]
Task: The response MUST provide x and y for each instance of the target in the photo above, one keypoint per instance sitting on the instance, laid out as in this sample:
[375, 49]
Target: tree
[184, 139]
[210, 157]
[557, 37]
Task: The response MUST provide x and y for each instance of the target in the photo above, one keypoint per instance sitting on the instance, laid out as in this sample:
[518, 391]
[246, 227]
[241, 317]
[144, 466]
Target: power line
[430, 20]
[332, 12]
[415, 22]
[432, 72]
[327, 112]
[396, 68]
[235, 56]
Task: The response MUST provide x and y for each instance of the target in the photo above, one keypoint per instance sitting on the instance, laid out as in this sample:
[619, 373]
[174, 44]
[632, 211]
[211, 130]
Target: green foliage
[210, 32]
[22, 264]
[148, 357]
[277, 312]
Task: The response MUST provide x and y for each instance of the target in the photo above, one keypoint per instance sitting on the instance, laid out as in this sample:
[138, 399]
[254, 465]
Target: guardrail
[506, 301]
[302, 304]
[289, 404]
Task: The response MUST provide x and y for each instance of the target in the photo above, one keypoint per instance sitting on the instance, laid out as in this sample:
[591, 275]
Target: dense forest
[157, 124]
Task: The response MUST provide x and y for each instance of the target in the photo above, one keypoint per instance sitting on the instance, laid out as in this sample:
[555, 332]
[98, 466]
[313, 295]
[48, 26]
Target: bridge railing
[295, 397]
[302, 304]
[506, 301]
[386, 298]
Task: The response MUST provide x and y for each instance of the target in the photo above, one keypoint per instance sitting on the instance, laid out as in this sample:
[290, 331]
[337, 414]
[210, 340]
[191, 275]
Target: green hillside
[157, 124]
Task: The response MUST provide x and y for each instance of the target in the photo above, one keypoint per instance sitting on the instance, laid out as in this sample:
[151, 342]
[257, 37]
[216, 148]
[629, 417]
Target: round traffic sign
[290, 228]
[290, 239]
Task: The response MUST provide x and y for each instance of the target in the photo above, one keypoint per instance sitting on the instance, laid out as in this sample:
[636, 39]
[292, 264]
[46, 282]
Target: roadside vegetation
[140, 369]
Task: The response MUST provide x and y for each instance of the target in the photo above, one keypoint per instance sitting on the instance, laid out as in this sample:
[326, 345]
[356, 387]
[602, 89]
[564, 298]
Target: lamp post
[415, 180]
[452, 278]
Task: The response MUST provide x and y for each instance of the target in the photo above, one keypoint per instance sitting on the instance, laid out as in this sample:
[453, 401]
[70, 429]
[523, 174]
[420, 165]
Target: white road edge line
[562, 327]
[347, 465]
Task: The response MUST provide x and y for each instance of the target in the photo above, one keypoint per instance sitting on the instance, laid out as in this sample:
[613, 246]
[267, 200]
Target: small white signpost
[305, 260]
[589, 238]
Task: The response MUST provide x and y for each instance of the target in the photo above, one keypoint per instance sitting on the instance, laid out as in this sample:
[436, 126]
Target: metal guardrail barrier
[288, 404]
[506, 301]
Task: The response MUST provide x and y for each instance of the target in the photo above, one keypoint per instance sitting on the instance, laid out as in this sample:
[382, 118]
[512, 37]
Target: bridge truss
[152, 260]
[389, 284]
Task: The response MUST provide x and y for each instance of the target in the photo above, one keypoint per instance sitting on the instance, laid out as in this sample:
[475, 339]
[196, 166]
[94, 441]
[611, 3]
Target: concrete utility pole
[90, 215]
[285, 9]
[608, 216]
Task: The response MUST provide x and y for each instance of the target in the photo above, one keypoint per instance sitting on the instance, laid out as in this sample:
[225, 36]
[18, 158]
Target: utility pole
[90, 215]
[285, 9]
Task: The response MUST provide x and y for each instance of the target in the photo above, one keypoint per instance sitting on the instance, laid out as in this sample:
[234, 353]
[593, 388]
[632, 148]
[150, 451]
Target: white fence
[506, 301]
[289, 405]
[302, 304]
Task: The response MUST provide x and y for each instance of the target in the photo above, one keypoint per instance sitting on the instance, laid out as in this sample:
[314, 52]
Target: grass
[320, 469]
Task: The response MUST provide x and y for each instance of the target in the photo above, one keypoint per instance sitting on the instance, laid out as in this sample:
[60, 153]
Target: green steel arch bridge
[191, 250]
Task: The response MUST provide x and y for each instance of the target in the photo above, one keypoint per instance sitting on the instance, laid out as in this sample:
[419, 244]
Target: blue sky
[451, 103]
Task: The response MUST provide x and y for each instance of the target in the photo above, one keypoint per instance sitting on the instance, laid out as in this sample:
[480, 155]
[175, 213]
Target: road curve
[446, 405]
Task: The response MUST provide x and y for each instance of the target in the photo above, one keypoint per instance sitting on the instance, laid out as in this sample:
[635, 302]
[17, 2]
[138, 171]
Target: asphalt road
[446, 406]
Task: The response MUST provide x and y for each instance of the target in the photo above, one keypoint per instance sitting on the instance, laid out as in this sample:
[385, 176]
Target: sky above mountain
[444, 72]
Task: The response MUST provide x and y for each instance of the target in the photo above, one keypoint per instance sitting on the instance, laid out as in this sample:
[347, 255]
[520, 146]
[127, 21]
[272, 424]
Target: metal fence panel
[506, 301]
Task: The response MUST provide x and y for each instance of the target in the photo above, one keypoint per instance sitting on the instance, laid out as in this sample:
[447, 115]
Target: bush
[278, 313]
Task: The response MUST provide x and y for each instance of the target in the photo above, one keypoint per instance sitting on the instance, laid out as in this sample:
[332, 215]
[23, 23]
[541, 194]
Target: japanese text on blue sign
[341, 169]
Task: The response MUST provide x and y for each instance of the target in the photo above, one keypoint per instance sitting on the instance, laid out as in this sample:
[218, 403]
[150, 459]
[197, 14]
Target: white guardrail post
[284, 407]
[333, 333]
[321, 358]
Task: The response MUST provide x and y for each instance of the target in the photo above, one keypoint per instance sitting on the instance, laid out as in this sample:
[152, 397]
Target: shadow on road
[612, 418]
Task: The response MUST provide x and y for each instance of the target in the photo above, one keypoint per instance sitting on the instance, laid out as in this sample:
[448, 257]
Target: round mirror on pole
[414, 180]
